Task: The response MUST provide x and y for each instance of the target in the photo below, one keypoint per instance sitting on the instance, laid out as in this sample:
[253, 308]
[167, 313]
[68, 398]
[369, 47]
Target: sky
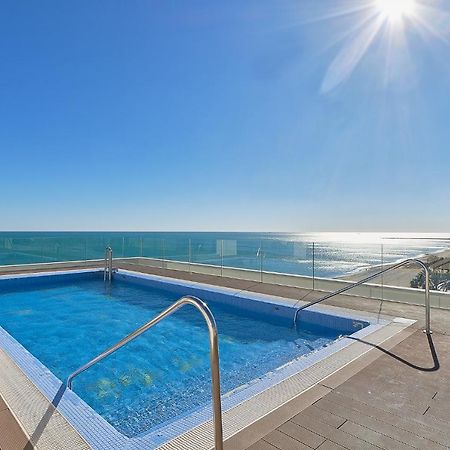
[263, 115]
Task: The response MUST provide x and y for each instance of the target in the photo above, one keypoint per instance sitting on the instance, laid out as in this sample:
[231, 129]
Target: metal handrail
[214, 356]
[371, 277]
[107, 274]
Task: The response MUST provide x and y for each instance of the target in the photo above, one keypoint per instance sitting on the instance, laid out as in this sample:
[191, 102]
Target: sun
[391, 23]
[396, 10]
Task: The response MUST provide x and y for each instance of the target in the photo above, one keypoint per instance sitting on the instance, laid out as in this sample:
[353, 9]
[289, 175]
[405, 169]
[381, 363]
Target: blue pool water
[162, 374]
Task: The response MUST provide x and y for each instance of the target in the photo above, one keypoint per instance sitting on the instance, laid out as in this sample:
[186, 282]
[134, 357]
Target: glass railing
[302, 261]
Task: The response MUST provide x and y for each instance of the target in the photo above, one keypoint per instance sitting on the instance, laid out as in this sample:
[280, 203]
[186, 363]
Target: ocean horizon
[321, 254]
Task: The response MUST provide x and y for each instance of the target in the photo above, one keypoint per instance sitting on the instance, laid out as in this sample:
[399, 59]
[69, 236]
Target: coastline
[288, 255]
[401, 277]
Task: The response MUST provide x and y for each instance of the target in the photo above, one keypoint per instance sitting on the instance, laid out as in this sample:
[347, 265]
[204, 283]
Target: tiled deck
[395, 397]
[399, 401]
[11, 435]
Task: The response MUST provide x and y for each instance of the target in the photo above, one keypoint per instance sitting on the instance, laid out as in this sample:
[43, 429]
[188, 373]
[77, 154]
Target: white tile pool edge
[101, 435]
[31, 410]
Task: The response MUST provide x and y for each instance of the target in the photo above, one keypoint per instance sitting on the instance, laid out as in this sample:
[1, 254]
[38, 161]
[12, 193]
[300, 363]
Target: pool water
[164, 373]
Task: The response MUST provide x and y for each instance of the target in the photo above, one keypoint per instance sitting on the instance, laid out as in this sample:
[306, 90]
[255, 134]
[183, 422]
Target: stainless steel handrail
[371, 277]
[213, 353]
[107, 274]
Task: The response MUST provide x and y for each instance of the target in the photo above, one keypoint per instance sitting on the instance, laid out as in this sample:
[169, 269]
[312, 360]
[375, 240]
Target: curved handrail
[214, 355]
[371, 277]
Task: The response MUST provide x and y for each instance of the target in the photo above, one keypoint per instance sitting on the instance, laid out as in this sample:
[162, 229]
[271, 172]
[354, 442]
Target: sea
[329, 255]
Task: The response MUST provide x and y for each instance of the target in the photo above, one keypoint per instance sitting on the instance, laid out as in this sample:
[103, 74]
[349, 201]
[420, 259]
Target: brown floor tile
[328, 445]
[374, 437]
[329, 418]
[382, 406]
[377, 425]
[285, 442]
[273, 420]
[336, 435]
[262, 445]
[2, 405]
[317, 414]
[301, 434]
[438, 414]
[11, 435]
[404, 422]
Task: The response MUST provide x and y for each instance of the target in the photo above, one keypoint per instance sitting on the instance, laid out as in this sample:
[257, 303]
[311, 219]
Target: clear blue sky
[223, 115]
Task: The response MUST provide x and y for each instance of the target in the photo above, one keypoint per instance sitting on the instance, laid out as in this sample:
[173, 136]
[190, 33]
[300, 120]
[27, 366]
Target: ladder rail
[107, 274]
[214, 355]
[405, 262]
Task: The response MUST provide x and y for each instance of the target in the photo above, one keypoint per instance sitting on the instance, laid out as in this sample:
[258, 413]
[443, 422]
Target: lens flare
[395, 10]
[390, 24]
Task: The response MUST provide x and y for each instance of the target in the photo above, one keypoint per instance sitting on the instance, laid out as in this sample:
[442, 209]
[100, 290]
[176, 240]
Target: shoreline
[402, 277]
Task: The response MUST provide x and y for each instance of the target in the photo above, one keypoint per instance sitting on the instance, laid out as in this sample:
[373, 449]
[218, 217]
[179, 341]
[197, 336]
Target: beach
[401, 277]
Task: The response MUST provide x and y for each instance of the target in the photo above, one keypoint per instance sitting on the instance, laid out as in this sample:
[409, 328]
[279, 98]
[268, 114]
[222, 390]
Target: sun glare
[396, 10]
[390, 23]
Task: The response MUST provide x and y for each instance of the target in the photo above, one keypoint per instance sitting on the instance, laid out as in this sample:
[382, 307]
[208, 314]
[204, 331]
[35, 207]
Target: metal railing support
[213, 354]
[259, 255]
[107, 274]
[221, 257]
[190, 256]
[376, 275]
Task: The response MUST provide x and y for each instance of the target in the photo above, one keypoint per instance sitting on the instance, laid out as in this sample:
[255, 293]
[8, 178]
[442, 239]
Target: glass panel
[32, 250]
[23, 250]
[242, 253]
[152, 248]
[177, 249]
[206, 251]
[63, 249]
[287, 256]
[117, 243]
[348, 260]
[131, 246]
[95, 247]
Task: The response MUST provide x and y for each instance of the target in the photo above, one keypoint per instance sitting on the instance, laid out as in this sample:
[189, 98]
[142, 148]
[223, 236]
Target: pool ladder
[213, 355]
[418, 262]
[107, 274]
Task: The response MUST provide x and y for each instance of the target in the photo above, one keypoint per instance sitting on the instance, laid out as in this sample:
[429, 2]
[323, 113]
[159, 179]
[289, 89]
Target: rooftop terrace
[395, 396]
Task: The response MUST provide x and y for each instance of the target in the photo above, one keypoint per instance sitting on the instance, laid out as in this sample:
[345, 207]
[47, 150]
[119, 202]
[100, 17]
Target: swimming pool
[158, 386]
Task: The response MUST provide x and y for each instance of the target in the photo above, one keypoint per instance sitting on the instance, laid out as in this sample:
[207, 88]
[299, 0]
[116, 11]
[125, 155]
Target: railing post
[260, 262]
[110, 265]
[427, 302]
[107, 274]
[190, 255]
[163, 254]
[105, 270]
[221, 258]
[85, 251]
[382, 276]
[215, 387]
[313, 265]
